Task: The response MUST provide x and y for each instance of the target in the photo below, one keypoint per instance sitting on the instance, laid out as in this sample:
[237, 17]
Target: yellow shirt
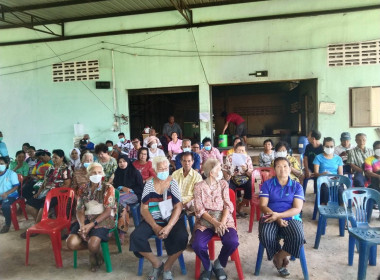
[186, 184]
[295, 164]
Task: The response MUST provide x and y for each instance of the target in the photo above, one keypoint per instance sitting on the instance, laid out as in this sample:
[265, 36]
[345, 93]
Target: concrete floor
[328, 262]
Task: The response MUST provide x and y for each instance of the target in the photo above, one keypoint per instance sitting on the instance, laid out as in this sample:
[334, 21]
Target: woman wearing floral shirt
[96, 208]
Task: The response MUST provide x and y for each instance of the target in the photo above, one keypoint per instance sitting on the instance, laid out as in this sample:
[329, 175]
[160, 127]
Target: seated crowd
[199, 185]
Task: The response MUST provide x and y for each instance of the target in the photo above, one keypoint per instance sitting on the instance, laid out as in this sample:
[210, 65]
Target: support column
[205, 106]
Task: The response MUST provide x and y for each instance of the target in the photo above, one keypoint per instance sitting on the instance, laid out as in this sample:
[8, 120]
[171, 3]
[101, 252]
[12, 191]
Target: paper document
[239, 159]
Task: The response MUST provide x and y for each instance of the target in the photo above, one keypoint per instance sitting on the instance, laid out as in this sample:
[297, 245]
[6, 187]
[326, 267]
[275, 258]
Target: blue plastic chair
[367, 237]
[259, 260]
[191, 220]
[332, 210]
[136, 215]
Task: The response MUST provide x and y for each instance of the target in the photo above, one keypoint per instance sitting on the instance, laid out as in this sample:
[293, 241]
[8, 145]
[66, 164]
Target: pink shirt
[236, 119]
[175, 148]
[208, 198]
[213, 153]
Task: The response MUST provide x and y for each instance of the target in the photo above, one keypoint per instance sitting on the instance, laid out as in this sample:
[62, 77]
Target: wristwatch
[95, 222]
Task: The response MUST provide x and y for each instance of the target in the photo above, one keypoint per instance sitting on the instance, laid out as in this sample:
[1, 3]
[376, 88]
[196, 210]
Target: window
[76, 71]
[365, 103]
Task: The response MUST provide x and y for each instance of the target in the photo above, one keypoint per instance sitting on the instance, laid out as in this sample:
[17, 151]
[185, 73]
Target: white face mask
[96, 178]
[186, 150]
[377, 152]
[282, 154]
[154, 146]
[328, 151]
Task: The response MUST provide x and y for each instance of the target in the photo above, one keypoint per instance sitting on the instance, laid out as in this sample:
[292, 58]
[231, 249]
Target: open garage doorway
[281, 110]
[152, 107]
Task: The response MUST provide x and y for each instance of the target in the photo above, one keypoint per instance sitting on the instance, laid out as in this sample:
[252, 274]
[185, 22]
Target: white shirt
[125, 147]
[340, 149]
[158, 152]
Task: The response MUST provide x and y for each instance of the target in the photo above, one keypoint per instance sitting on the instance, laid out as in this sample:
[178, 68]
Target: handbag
[216, 214]
[239, 180]
[166, 207]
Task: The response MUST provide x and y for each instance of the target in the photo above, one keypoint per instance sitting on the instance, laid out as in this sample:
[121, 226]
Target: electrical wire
[43, 59]
[200, 60]
[49, 65]
[82, 81]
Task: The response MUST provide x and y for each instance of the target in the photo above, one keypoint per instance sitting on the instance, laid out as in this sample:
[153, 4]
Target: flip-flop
[156, 272]
[241, 215]
[219, 273]
[206, 275]
[283, 272]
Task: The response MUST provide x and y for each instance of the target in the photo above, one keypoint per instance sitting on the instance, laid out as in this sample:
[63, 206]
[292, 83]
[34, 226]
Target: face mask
[110, 149]
[86, 164]
[1, 139]
[220, 175]
[186, 150]
[3, 167]
[86, 140]
[328, 151]
[122, 140]
[282, 154]
[154, 146]
[377, 152]
[96, 178]
[208, 148]
[163, 175]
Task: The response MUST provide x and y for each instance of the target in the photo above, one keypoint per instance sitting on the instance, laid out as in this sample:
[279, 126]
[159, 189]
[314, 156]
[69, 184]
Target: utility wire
[200, 60]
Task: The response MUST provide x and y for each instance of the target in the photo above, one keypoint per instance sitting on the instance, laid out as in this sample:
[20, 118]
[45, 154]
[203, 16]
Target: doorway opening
[152, 108]
[281, 110]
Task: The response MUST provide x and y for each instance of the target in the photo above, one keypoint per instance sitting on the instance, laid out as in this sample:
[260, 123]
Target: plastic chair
[259, 261]
[191, 220]
[332, 210]
[104, 244]
[211, 247]
[53, 227]
[265, 173]
[21, 203]
[136, 215]
[367, 237]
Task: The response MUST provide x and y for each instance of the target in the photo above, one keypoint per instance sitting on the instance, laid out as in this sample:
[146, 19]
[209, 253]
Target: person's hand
[326, 173]
[82, 234]
[125, 190]
[36, 195]
[270, 218]
[157, 229]
[282, 223]
[164, 232]
[307, 174]
[226, 176]
[343, 154]
[221, 230]
[4, 196]
[86, 228]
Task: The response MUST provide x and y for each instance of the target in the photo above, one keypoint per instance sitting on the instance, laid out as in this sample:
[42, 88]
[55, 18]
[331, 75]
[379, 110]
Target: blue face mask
[3, 167]
[86, 164]
[163, 175]
[122, 140]
[1, 139]
[208, 148]
[186, 150]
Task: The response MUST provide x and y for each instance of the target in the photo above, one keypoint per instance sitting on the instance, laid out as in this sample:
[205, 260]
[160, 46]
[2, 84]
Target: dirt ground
[328, 262]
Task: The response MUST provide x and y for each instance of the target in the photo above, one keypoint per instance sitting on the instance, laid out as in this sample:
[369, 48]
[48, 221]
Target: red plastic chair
[53, 227]
[21, 203]
[211, 247]
[265, 173]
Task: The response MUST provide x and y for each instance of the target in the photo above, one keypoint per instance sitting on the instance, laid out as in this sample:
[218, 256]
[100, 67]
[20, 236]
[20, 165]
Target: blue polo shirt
[196, 164]
[3, 149]
[281, 197]
[9, 180]
[328, 164]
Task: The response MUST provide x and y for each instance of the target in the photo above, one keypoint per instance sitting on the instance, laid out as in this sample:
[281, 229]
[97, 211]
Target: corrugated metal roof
[47, 11]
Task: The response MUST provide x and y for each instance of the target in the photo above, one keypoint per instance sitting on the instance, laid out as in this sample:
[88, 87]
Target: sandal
[167, 275]
[241, 215]
[219, 273]
[283, 272]
[206, 275]
[155, 273]
[5, 229]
